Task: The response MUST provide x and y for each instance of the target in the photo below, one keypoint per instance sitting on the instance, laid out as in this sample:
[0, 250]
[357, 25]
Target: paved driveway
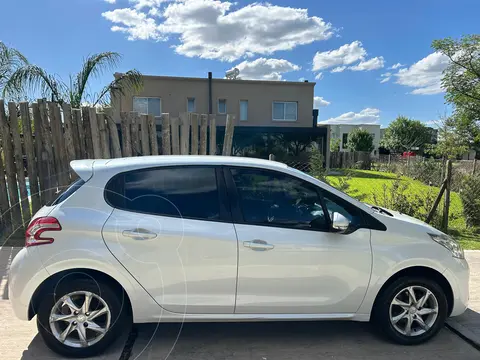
[262, 341]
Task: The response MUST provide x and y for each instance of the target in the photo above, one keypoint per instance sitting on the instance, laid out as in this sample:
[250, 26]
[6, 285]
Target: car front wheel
[80, 318]
[411, 310]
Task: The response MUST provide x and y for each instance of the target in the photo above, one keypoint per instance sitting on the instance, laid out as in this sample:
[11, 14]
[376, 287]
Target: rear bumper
[458, 274]
[25, 275]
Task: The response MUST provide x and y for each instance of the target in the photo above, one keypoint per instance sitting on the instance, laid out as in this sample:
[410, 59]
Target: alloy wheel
[80, 319]
[413, 310]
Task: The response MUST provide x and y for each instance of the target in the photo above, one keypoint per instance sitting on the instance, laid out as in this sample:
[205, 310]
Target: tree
[360, 140]
[451, 143]
[32, 78]
[10, 60]
[404, 134]
[461, 81]
[335, 145]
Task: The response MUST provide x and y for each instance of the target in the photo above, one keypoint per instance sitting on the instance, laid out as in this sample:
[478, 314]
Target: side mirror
[340, 222]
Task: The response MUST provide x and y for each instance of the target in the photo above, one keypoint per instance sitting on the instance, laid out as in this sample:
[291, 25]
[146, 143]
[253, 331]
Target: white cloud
[319, 102]
[368, 65]
[134, 23]
[386, 77]
[110, 1]
[396, 66]
[425, 75]
[216, 29]
[344, 55]
[319, 76]
[302, 79]
[265, 69]
[338, 69]
[366, 116]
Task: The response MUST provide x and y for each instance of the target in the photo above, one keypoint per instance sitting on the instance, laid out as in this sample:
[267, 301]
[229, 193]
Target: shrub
[316, 164]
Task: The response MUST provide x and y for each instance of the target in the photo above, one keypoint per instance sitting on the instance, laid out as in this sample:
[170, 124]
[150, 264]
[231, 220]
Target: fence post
[104, 139]
[213, 134]
[17, 150]
[75, 114]
[87, 130]
[112, 126]
[5, 215]
[51, 179]
[94, 133]
[271, 157]
[69, 136]
[30, 154]
[59, 144]
[82, 150]
[175, 136]
[126, 135]
[42, 163]
[184, 133]
[152, 132]
[144, 135]
[12, 212]
[194, 127]
[203, 134]
[228, 140]
[134, 121]
[446, 208]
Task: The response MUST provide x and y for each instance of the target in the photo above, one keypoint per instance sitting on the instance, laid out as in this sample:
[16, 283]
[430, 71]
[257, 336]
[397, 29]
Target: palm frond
[130, 82]
[33, 78]
[94, 66]
[10, 60]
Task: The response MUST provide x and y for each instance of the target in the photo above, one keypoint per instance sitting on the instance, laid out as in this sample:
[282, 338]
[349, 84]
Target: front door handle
[139, 234]
[258, 245]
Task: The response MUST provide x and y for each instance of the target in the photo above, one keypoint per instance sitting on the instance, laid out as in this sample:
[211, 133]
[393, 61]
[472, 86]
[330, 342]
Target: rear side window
[68, 192]
[189, 192]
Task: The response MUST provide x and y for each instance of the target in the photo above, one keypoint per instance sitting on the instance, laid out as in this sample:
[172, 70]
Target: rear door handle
[258, 245]
[139, 234]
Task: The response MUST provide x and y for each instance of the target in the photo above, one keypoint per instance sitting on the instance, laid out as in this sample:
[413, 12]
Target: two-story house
[265, 111]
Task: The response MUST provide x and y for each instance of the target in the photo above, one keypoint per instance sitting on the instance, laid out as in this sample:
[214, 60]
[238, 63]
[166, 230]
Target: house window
[222, 106]
[191, 104]
[243, 110]
[284, 111]
[147, 105]
[344, 140]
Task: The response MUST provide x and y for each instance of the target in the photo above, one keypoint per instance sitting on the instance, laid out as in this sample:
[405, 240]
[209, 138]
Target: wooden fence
[39, 140]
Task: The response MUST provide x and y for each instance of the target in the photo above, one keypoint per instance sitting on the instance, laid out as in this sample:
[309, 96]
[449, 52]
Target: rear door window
[186, 192]
[63, 195]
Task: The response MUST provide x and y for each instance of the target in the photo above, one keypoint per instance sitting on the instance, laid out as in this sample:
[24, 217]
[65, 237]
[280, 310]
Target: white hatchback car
[205, 238]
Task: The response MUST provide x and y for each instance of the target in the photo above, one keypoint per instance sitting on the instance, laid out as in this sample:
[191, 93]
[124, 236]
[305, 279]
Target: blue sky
[281, 40]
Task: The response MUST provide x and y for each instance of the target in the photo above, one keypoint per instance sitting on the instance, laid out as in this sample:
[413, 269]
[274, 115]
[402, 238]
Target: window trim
[284, 110]
[240, 110]
[148, 97]
[225, 215]
[367, 220]
[218, 106]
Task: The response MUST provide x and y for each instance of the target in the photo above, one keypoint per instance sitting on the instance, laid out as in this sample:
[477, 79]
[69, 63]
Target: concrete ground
[262, 341]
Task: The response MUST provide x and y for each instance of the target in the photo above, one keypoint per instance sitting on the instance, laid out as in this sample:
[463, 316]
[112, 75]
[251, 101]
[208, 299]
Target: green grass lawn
[363, 184]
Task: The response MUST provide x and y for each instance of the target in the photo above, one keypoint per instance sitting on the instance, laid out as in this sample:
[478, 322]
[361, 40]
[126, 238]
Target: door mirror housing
[340, 223]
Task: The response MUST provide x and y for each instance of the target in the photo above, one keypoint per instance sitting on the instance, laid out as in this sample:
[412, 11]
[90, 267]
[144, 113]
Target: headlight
[450, 244]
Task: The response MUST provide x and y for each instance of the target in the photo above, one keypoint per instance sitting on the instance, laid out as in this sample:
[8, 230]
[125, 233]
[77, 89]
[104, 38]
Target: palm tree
[33, 78]
[10, 60]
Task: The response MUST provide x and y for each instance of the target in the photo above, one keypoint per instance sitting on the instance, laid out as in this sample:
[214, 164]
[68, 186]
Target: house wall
[175, 91]
[337, 132]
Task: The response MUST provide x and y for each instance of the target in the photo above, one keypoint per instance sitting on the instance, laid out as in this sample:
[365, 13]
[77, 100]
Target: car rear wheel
[411, 311]
[80, 318]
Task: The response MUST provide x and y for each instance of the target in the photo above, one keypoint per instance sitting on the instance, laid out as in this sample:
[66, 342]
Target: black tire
[114, 299]
[381, 311]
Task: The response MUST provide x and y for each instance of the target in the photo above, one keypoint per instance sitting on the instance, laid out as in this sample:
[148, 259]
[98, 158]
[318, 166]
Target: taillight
[38, 227]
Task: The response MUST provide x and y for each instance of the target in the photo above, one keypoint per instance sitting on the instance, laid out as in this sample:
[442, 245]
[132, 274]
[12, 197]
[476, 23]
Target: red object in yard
[408, 154]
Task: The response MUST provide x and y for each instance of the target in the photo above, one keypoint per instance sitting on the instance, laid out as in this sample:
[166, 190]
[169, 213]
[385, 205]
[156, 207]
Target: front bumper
[458, 275]
[25, 275]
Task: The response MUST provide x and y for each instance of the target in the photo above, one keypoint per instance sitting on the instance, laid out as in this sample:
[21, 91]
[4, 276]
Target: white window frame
[148, 97]
[284, 110]
[194, 104]
[240, 110]
[218, 107]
